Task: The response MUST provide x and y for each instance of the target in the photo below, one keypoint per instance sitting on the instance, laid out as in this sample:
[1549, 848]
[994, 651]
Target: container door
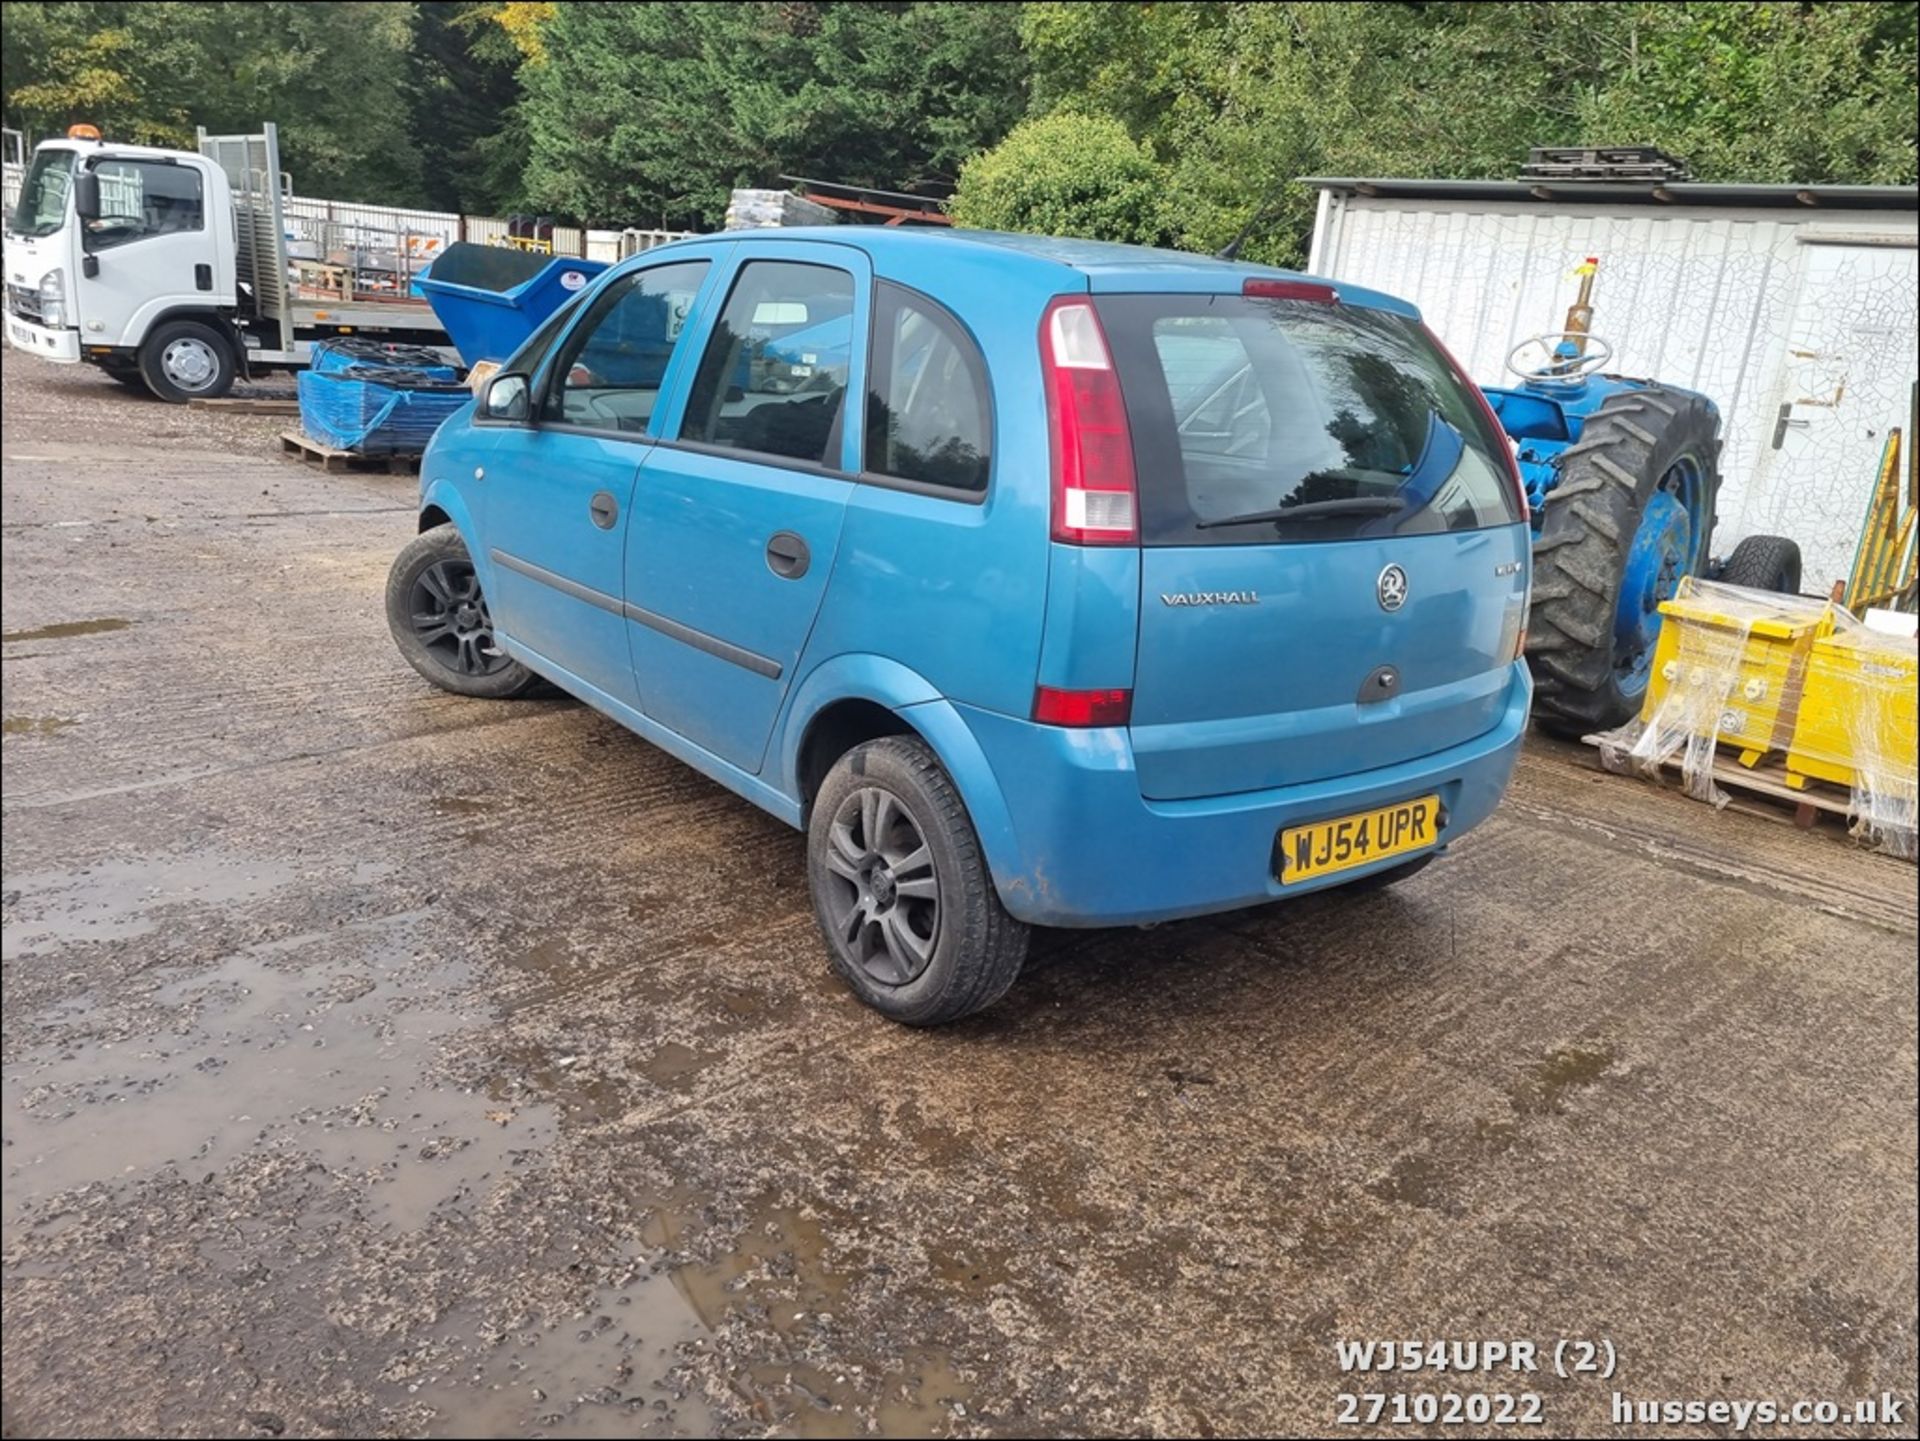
[1847, 378]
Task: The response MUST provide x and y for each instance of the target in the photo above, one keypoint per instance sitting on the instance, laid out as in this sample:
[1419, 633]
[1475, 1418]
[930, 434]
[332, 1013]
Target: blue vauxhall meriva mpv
[1042, 582]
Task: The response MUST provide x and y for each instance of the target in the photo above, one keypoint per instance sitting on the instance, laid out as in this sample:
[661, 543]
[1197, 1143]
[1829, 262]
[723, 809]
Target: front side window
[1258, 421]
[609, 372]
[42, 208]
[927, 416]
[526, 360]
[140, 199]
[774, 376]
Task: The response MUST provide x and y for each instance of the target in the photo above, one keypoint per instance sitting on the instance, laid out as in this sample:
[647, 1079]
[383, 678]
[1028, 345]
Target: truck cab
[168, 268]
[108, 245]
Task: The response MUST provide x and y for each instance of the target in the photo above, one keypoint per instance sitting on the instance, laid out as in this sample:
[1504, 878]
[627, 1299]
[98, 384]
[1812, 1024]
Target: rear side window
[927, 416]
[773, 379]
[610, 370]
[1327, 421]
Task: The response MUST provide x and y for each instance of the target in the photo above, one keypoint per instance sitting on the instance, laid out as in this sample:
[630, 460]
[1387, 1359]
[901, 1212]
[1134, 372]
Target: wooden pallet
[251, 405]
[1768, 783]
[326, 457]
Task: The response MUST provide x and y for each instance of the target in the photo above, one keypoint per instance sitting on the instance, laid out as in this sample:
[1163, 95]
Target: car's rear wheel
[902, 891]
[440, 621]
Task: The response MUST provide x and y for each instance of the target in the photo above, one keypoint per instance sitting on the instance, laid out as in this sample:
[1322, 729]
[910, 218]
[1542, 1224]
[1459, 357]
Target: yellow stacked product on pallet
[1859, 726]
[1730, 665]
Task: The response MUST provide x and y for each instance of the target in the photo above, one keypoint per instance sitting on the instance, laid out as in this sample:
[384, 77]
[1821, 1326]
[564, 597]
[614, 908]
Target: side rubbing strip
[685, 634]
[700, 640]
[601, 599]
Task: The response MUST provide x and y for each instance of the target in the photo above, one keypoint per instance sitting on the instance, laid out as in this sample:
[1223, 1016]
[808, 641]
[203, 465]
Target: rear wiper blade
[1316, 510]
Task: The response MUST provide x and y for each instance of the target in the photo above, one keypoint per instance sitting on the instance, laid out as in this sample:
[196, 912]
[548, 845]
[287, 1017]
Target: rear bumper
[1085, 849]
[36, 339]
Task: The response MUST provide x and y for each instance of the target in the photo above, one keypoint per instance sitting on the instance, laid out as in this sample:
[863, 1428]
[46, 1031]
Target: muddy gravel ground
[378, 1062]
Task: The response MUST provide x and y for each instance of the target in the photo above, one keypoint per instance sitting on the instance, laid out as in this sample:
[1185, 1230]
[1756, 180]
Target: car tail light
[1291, 290]
[1081, 707]
[1514, 477]
[1095, 499]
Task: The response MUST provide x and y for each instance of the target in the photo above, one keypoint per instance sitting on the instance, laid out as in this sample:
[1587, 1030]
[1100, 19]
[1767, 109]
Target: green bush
[1067, 174]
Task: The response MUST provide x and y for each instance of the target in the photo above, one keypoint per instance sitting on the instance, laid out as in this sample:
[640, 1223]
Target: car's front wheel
[441, 623]
[902, 891]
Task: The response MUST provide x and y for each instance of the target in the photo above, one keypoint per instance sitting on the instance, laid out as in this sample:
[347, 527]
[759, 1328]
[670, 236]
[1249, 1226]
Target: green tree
[1067, 174]
[652, 113]
[331, 74]
[463, 94]
[1237, 101]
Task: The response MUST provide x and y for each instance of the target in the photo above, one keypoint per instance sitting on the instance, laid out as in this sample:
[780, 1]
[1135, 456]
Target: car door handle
[788, 556]
[604, 509]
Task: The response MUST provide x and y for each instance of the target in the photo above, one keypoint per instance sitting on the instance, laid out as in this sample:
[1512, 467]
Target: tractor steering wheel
[1554, 368]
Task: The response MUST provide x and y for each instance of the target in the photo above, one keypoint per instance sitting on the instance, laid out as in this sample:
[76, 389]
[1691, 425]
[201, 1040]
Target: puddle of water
[329, 1058]
[778, 1268]
[36, 725]
[458, 805]
[1418, 1181]
[674, 1066]
[112, 901]
[1544, 1089]
[66, 628]
[617, 1369]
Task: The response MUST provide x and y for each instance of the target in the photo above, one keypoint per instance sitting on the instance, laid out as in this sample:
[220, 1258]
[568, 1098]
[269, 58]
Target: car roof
[1105, 265]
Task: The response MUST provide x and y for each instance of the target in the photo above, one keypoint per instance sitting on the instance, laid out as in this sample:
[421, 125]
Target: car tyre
[1392, 876]
[186, 360]
[440, 621]
[1764, 562]
[902, 891]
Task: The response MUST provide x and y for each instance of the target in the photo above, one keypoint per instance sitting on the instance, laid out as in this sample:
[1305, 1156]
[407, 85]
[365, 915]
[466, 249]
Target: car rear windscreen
[1264, 421]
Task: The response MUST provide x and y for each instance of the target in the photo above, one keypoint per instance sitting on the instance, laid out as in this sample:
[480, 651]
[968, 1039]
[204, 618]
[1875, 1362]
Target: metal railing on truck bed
[252, 166]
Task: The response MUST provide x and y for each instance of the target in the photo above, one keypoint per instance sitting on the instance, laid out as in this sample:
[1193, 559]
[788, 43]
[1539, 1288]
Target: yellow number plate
[1327, 846]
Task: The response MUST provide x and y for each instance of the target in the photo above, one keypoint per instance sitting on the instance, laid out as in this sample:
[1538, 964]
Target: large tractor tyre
[1631, 515]
[1764, 562]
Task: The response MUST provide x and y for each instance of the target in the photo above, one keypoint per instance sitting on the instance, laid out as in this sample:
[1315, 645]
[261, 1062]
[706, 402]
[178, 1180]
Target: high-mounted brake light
[1081, 707]
[1313, 290]
[1507, 456]
[1095, 499]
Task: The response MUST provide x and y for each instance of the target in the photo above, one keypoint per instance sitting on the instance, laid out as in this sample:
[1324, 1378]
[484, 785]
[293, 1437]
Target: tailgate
[1334, 557]
[1303, 675]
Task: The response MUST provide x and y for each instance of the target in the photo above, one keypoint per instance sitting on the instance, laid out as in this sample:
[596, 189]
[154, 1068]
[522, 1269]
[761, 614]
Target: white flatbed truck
[170, 268]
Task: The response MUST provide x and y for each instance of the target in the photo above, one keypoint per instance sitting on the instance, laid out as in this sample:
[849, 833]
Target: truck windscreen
[43, 194]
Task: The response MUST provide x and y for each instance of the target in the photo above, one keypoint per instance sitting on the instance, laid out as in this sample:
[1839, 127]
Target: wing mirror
[86, 195]
[505, 398]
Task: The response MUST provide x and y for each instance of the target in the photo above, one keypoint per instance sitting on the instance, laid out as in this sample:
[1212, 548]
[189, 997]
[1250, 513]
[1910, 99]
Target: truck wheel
[186, 360]
[901, 890]
[440, 622]
[1764, 562]
[1631, 515]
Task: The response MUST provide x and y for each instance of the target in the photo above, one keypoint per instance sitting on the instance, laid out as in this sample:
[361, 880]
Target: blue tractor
[1622, 476]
